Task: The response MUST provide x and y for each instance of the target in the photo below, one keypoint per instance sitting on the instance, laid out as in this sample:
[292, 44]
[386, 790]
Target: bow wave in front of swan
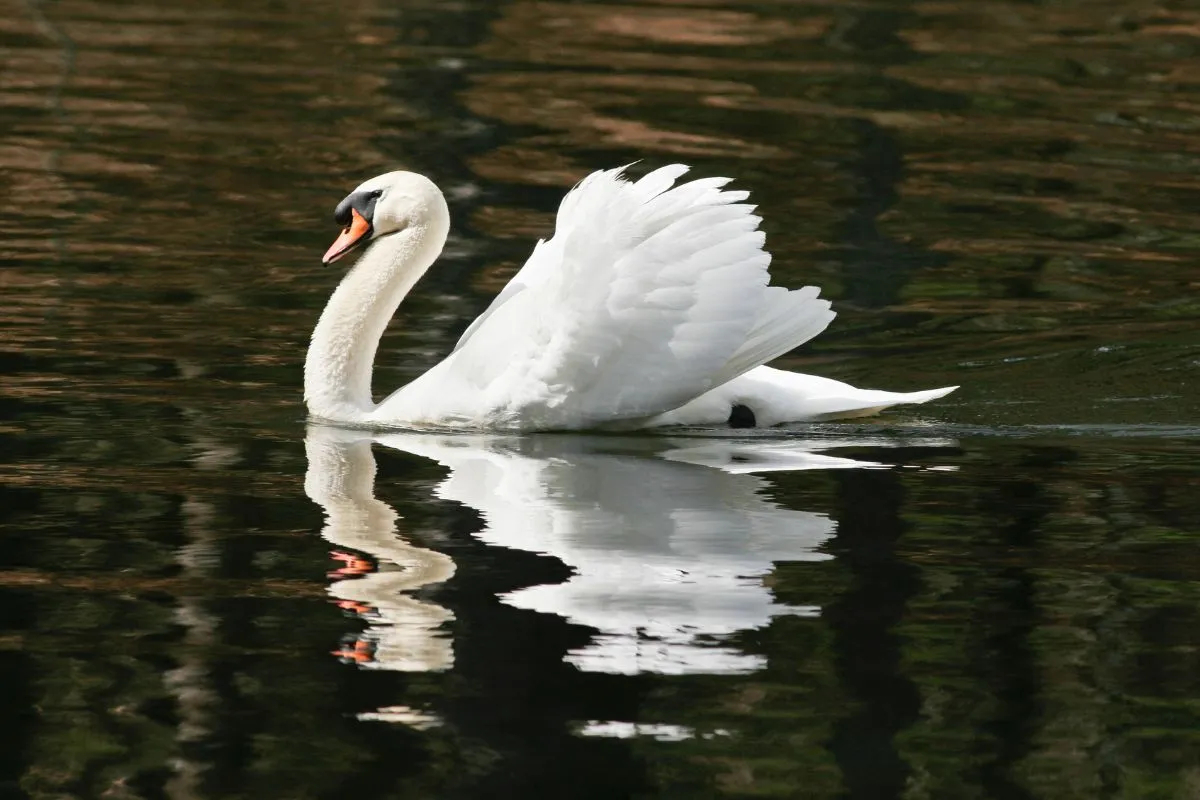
[648, 307]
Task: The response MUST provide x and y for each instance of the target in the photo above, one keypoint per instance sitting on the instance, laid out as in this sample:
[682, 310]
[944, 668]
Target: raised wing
[648, 295]
[540, 264]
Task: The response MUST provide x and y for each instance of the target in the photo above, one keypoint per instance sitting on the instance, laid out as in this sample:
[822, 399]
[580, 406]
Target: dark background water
[1006, 603]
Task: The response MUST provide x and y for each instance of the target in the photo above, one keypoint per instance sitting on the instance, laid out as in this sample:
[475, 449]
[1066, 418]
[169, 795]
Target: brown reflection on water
[163, 164]
[632, 36]
[168, 105]
[553, 49]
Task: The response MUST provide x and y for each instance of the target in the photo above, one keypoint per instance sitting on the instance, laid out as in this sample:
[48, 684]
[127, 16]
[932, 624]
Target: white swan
[648, 307]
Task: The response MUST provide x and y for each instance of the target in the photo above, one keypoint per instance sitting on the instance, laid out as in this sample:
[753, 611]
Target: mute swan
[648, 307]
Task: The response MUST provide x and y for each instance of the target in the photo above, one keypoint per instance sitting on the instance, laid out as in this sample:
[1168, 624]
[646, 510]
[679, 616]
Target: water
[993, 596]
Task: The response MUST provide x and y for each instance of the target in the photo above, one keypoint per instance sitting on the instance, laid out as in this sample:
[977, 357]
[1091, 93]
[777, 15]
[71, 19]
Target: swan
[648, 307]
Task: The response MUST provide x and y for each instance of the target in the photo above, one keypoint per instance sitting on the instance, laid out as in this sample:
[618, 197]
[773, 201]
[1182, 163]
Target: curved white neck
[337, 371]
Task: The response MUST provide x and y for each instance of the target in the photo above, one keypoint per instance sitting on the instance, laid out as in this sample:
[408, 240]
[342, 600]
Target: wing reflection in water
[669, 538]
[667, 550]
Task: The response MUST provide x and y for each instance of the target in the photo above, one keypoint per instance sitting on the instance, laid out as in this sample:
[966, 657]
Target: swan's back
[648, 295]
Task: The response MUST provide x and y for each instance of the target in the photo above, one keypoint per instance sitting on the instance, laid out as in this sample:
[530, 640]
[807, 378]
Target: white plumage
[649, 306]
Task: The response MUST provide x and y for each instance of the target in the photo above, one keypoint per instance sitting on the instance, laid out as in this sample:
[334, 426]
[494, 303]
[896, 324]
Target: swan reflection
[669, 539]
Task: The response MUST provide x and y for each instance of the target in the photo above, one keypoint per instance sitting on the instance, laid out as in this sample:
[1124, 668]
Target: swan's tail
[866, 402]
[765, 396]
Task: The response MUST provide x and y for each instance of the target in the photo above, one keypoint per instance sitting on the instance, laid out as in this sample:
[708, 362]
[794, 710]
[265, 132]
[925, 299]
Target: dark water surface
[995, 596]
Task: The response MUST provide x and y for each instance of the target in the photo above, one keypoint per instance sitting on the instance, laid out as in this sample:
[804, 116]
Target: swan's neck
[337, 371]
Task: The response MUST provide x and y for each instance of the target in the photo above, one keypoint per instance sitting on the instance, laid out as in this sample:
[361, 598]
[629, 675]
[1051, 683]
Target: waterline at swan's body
[648, 307]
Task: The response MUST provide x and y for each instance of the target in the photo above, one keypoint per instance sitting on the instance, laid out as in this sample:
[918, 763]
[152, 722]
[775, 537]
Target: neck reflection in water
[380, 565]
[669, 540]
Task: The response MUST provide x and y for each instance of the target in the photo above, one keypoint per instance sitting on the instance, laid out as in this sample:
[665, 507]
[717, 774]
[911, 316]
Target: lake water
[993, 596]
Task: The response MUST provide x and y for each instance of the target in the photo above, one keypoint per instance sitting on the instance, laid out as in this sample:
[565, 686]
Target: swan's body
[648, 307]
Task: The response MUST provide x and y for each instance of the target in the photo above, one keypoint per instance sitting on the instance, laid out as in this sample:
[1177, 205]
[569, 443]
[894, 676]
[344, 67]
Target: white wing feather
[648, 295]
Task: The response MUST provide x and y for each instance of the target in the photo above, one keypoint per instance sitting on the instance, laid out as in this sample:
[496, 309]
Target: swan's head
[382, 206]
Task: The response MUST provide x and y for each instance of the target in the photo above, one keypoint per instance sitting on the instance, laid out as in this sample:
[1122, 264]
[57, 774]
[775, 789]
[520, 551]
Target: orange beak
[354, 234]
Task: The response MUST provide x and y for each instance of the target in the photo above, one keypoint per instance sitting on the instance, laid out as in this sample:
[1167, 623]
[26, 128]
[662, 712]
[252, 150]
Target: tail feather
[868, 402]
[773, 396]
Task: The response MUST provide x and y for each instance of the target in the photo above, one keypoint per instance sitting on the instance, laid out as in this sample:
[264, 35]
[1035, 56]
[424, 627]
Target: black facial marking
[362, 202]
[741, 416]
